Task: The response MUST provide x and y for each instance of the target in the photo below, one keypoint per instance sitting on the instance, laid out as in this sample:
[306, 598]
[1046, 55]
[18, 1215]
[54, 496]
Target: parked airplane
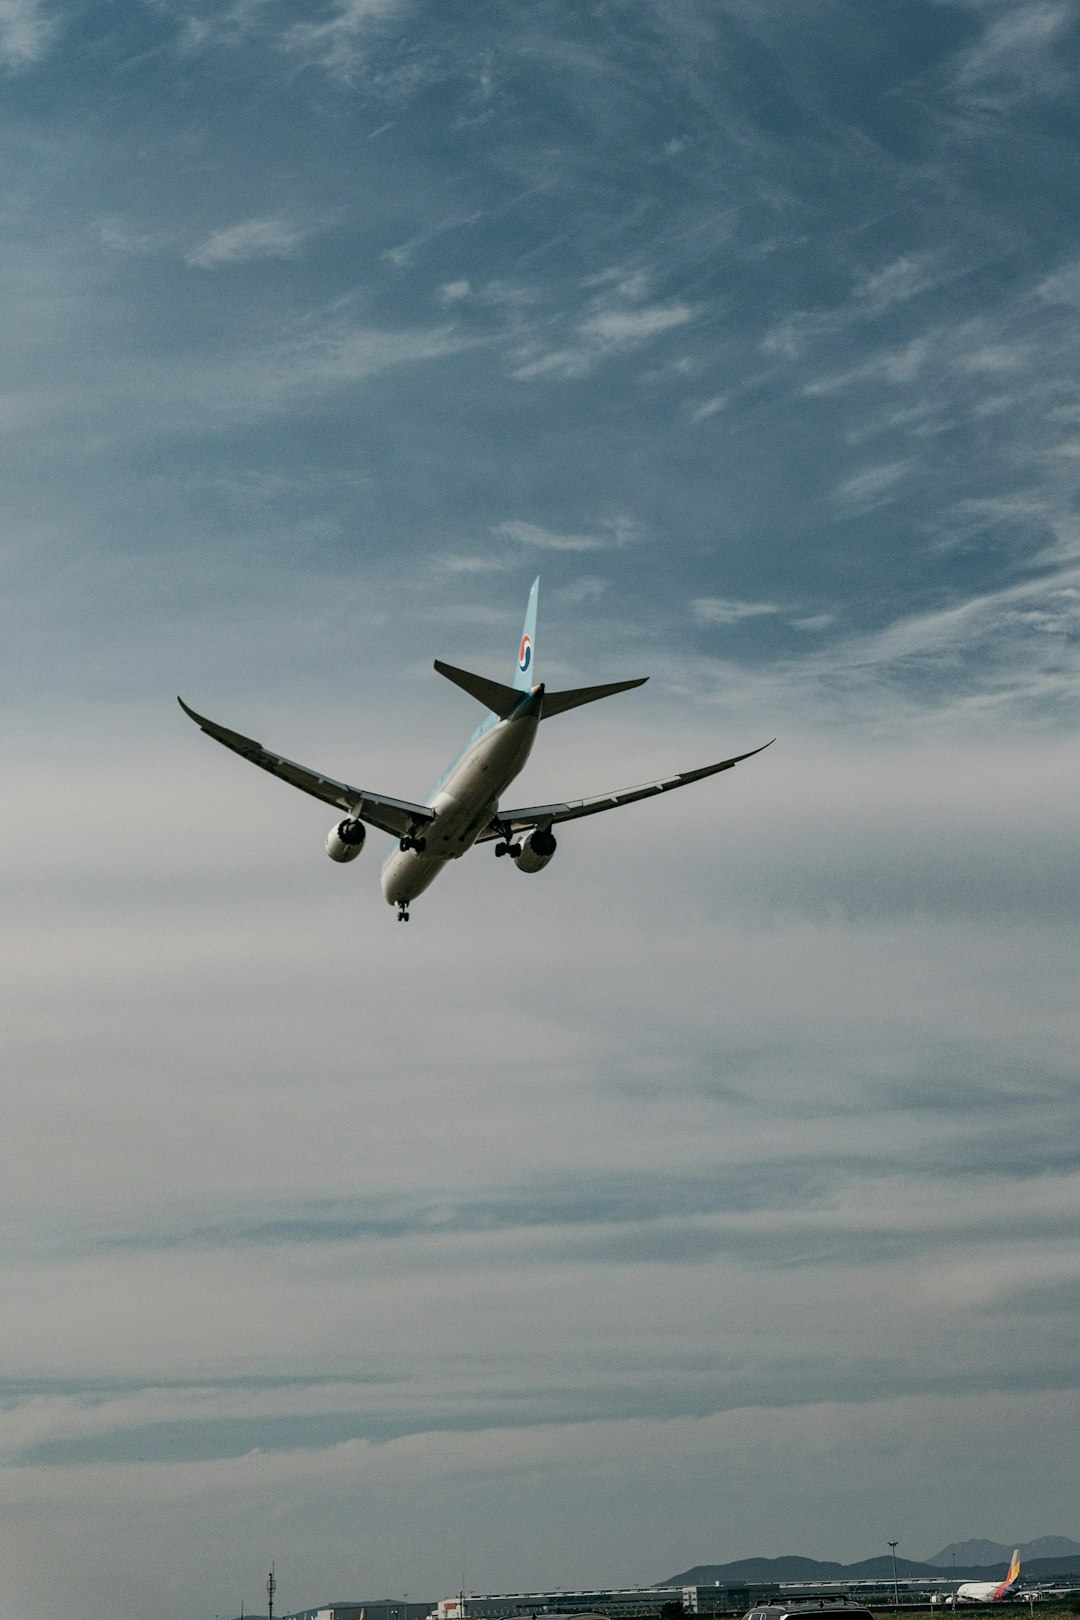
[991, 1591]
[463, 807]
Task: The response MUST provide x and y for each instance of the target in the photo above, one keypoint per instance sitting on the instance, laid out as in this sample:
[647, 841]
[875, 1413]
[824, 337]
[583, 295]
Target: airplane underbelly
[408, 874]
[463, 809]
[457, 824]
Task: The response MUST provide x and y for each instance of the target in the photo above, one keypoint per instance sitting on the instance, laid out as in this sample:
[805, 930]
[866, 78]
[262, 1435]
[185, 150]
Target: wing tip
[190, 712]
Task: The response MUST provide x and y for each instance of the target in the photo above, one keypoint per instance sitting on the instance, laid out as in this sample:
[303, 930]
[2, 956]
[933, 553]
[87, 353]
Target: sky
[714, 1193]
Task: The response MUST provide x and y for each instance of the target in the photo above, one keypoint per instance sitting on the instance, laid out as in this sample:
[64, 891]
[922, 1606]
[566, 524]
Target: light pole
[895, 1593]
[271, 1588]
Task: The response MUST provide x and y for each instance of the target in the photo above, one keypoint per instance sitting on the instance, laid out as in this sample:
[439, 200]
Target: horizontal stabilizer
[559, 702]
[501, 700]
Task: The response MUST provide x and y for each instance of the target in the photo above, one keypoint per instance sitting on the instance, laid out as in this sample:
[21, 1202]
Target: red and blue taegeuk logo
[525, 653]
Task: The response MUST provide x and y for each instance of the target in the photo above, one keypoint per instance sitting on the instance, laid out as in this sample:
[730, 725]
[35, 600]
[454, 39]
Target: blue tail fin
[525, 672]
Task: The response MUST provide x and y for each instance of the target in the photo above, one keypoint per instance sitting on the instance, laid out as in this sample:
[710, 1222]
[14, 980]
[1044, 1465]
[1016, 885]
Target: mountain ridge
[989, 1552]
[791, 1567]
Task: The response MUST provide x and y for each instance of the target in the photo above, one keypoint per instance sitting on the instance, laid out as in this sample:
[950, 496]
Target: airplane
[463, 808]
[990, 1591]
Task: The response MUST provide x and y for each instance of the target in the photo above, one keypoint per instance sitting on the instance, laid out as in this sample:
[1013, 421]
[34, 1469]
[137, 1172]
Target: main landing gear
[403, 911]
[411, 842]
[506, 846]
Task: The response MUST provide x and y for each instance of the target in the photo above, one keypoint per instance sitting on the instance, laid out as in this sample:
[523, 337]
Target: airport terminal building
[611, 1603]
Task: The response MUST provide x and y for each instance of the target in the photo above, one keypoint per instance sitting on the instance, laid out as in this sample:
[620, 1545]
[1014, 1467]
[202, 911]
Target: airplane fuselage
[465, 799]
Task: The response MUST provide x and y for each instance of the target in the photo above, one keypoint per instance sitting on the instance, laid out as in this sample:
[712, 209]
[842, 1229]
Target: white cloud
[563, 363]
[613, 329]
[1014, 57]
[708, 407]
[896, 283]
[587, 589]
[794, 335]
[602, 334]
[265, 238]
[461, 564]
[902, 365]
[995, 359]
[118, 235]
[331, 349]
[1063, 287]
[26, 33]
[725, 610]
[870, 488]
[613, 533]
[338, 45]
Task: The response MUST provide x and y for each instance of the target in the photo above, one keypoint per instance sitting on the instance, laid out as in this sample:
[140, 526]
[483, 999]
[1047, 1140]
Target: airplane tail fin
[1014, 1567]
[524, 678]
[503, 700]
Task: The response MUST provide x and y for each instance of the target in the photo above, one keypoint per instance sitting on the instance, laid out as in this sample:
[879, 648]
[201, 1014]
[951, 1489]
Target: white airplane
[463, 807]
[990, 1591]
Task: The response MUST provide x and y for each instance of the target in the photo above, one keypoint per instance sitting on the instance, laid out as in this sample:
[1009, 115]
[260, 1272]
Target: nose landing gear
[403, 911]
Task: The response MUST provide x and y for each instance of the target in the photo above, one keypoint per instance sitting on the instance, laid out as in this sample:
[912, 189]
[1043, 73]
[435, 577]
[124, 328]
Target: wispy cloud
[601, 335]
[612, 534]
[896, 283]
[708, 407]
[724, 610]
[329, 349]
[863, 491]
[266, 238]
[27, 30]
[1014, 57]
[338, 43]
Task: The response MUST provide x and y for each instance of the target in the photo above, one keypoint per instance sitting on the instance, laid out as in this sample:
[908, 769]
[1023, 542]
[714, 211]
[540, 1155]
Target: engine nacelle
[536, 850]
[345, 841]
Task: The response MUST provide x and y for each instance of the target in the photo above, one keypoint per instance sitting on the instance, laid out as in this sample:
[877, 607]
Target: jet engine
[345, 841]
[536, 850]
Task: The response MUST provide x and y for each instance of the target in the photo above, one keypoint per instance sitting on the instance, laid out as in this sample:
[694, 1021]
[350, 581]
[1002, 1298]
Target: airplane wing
[394, 816]
[546, 815]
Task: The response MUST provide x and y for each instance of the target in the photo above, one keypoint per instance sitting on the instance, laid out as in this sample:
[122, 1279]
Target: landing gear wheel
[501, 849]
[409, 842]
[403, 911]
[514, 850]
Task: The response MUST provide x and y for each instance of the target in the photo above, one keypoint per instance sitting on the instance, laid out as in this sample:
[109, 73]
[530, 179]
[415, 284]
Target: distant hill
[757, 1570]
[770, 1571]
[996, 1552]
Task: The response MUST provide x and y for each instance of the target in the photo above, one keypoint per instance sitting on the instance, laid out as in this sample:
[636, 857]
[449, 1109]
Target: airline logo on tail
[1011, 1577]
[525, 654]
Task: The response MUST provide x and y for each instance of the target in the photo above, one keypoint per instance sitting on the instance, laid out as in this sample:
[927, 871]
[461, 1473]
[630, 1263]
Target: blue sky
[716, 1192]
